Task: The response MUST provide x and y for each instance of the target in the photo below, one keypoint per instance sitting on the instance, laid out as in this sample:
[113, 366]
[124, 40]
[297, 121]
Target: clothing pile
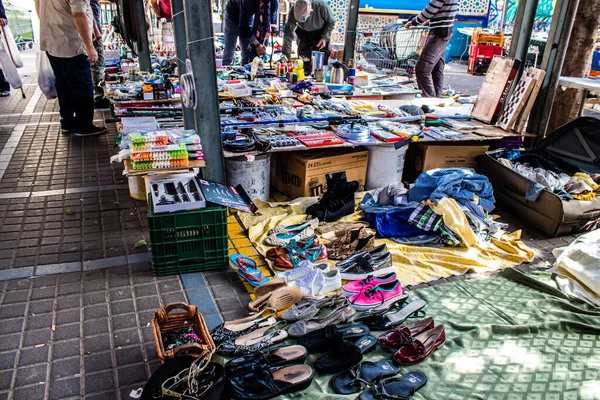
[547, 172]
[445, 207]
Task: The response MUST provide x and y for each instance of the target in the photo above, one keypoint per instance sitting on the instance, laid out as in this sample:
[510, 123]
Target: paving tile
[174, 298]
[56, 268]
[34, 355]
[65, 349]
[132, 374]
[93, 312]
[39, 321]
[96, 344]
[36, 391]
[145, 290]
[63, 332]
[7, 360]
[17, 296]
[97, 362]
[94, 298]
[68, 316]
[126, 337]
[99, 381]
[122, 307]
[30, 375]
[94, 327]
[123, 321]
[203, 300]
[65, 368]
[43, 281]
[148, 303]
[120, 294]
[6, 379]
[11, 325]
[129, 355]
[93, 285]
[65, 388]
[170, 286]
[43, 293]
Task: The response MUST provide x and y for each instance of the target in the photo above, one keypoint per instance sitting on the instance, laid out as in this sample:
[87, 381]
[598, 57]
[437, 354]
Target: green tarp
[509, 337]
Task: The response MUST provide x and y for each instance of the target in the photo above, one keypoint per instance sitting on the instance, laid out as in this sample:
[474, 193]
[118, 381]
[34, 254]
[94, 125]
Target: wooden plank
[496, 85]
[516, 103]
[538, 75]
[137, 172]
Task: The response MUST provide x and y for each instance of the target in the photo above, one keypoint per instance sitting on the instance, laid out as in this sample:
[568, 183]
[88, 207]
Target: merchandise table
[587, 85]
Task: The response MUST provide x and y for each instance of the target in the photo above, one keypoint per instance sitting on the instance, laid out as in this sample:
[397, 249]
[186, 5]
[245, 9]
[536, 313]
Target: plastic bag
[12, 45]
[46, 78]
[8, 67]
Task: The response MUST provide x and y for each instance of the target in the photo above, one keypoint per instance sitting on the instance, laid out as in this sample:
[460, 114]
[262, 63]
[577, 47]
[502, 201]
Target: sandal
[337, 316]
[396, 388]
[275, 252]
[310, 308]
[276, 357]
[281, 237]
[403, 335]
[278, 300]
[421, 346]
[233, 329]
[253, 341]
[247, 269]
[387, 320]
[263, 382]
[363, 375]
[350, 242]
[340, 226]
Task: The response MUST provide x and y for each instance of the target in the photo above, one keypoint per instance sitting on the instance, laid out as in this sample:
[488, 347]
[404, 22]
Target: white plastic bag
[8, 67]
[46, 78]
[12, 45]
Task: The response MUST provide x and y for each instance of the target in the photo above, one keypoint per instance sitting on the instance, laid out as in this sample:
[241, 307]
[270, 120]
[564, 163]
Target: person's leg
[81, 92]
[230, 33]
[248, 51]
[438, 71]
[4, 85]
[98, 72]
[434, 49]
[65, 105]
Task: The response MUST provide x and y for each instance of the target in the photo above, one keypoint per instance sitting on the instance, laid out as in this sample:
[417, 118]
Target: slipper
[387, 320]
[277, 357]
[269, 287]
[278, 300]
[254, 341]
[263, 382]
[366, 344]
[247, 269]
[396, 388]
[365, 374]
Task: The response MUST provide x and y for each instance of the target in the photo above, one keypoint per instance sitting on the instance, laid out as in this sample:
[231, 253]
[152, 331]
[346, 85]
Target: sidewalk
[76, 297]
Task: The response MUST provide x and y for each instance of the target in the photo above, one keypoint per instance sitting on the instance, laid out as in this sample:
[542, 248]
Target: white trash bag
[8, 67]
[46, 78]
[12, 45]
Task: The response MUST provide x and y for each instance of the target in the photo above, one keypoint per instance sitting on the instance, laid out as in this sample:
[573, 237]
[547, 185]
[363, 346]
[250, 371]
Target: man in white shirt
[66, 28]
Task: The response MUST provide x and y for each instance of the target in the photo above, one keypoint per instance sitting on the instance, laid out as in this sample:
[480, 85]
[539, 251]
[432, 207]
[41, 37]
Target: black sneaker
[337, 202]
[4, 93]
[91, 131]
[66, 130]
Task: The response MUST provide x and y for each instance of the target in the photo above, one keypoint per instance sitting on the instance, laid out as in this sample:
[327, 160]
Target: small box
[174, 193]
[238, 90]
[423, 157]
[302, 175]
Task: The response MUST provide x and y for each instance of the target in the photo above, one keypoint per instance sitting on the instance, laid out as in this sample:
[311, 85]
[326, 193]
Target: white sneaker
[315, 280]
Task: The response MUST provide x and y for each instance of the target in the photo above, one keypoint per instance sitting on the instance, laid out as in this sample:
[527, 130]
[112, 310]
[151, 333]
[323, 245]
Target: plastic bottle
[351, 72]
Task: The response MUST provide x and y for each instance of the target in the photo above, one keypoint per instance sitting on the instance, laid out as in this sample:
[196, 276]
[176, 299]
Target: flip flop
[365, 374]
[384, 321]
[321, 340]
[396, 388]
[366, 343]
[247, 269]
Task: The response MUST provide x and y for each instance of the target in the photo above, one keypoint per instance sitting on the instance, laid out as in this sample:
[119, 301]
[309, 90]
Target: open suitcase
[578, 144]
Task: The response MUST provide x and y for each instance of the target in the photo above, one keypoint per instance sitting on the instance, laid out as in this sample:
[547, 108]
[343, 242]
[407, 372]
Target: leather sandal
[337, 316]
[278, 300]
[403, 335]
[269, 286]
[280, 251]
[311, 307]
[387, 320]
[277, 357]
[263, 382]
[396, 388]
[363, 375]
[421, 346]
[254, 341]
[233, 329]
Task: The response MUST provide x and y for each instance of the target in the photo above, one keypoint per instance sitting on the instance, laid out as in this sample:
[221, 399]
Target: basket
[165, 321]
[188, 241]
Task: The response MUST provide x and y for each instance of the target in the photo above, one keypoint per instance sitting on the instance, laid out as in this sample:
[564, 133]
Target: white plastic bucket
[137, 187]
[253, 173]
[385, 166]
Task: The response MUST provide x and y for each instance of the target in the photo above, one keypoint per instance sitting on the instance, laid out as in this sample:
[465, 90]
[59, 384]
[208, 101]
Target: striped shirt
[440, 14]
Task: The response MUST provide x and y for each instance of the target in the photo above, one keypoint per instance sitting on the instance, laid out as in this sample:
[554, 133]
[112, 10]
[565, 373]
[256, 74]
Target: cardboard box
[423, 157]
[303, 174]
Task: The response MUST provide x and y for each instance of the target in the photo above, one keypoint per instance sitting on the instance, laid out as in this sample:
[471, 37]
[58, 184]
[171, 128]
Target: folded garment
[394, 195]
[393, 223]
[577, 186]
[460, 184]
[507, 163]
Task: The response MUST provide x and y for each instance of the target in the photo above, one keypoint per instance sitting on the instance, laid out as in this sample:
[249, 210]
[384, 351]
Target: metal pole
[351, 30]
[181, 51]
[142, 47]
[503, 17]
[554, 57]
[525, 19]
[201, 52]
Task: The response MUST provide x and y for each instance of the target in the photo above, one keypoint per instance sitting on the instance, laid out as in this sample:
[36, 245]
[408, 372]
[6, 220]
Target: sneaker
[4, 93]
[375, 252]
[354, 287]
[66, 130]
[91, 131]
[377, 296]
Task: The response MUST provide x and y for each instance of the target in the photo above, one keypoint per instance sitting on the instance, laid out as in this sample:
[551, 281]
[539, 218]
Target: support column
[351, 24]
[142, 47]
[523, 28]
[181, 51]
[552, 63]
[201, 52]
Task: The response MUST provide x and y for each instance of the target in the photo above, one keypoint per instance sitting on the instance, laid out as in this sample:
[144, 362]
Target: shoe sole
[355, 277]
[90, 135]
[386, 304]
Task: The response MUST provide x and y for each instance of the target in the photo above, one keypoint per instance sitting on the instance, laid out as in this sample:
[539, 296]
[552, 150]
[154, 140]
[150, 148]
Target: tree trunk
[578, 62]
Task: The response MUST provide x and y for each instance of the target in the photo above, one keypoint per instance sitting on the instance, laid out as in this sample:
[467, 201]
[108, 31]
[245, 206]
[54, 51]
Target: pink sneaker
[354, 287]
[381, 295]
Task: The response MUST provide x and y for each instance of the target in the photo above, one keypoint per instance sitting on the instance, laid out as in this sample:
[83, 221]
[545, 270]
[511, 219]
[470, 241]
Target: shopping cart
[391, 50]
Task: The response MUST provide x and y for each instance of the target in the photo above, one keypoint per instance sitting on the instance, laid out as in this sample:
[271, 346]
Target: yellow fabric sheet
[414, 264]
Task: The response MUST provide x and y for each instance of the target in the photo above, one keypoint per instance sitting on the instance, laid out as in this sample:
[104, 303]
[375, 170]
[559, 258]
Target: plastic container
[188, 241]
[137, 187]
[252, 173]
[385, 166]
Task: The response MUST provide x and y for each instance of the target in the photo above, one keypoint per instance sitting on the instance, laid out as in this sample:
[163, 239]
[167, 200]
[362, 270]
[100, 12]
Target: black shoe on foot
[67, 130]
[101, 103]
[91, 131]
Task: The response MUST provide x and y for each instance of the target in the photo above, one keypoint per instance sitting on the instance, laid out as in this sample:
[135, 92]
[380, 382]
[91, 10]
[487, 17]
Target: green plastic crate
[188, 241]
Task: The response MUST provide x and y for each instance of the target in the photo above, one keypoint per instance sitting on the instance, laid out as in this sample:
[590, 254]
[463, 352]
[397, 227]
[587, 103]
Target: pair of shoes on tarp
[337, 201]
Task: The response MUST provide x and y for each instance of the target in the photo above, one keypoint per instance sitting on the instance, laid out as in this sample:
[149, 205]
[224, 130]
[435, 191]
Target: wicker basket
[167, 321]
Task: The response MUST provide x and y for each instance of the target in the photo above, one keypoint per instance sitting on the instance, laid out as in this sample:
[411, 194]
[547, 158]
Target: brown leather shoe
[403, 335]
[421, 346]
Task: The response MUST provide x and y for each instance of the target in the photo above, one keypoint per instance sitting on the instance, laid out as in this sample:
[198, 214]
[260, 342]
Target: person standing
[313, 22]
[239, 24]
[98, 67]
[162, 10]
[4, 85]
[66, 36]
[429, 69]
